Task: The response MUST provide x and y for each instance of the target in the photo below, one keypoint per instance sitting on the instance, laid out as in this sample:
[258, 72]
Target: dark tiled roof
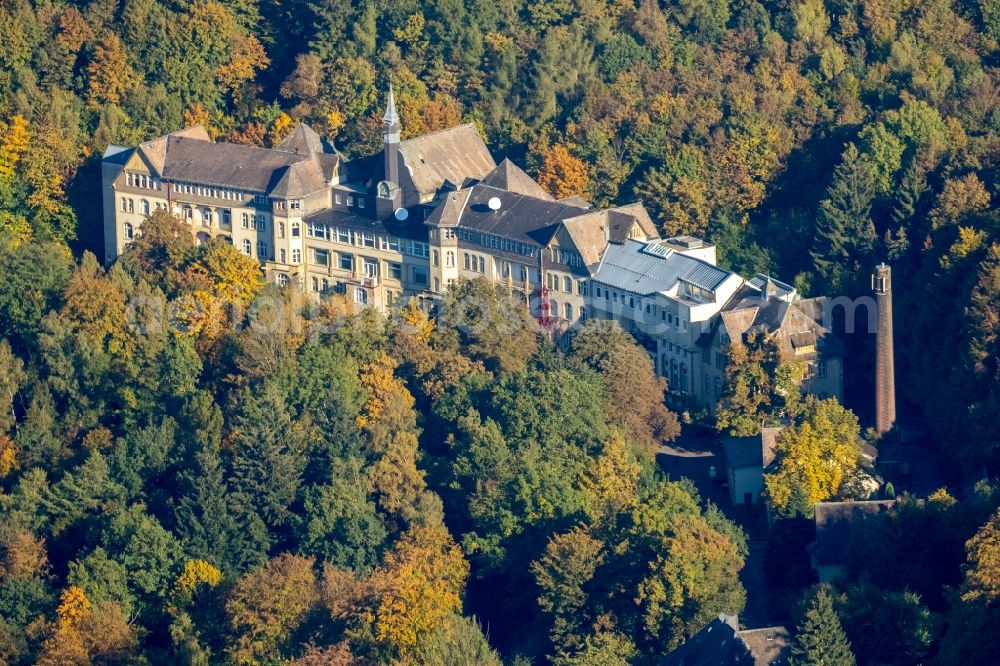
[304, 139]
[225, 164]
[449, 156]
[520, 218]
[348, 218]
[770, 646]
[768, 442]
[576, 200]
[833, 527]
[508, 176]
[743, 452]
[717, 644]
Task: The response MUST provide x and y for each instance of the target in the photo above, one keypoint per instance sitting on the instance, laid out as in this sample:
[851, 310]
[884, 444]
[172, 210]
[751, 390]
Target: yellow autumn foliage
[14, 137]
[420, 583]
[195, 574]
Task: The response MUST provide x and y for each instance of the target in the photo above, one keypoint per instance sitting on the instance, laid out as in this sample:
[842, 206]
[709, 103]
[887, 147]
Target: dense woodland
[196, 467]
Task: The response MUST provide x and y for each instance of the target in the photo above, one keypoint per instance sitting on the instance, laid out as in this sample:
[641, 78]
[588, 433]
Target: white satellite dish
[401, 214]
[494, 203]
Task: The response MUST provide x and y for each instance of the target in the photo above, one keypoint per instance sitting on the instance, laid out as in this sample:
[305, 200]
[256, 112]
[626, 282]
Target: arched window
[567, 285]
[128, 231]
[247, 246]
[450, 259]
[281, 279]
[569, 311]
[553, 308]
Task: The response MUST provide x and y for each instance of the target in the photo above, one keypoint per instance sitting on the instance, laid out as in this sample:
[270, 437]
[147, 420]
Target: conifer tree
[912, 188]
[845, 234]
[820, 639]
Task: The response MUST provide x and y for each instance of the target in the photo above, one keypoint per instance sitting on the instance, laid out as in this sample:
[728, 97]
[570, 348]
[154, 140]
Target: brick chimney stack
[885, 379]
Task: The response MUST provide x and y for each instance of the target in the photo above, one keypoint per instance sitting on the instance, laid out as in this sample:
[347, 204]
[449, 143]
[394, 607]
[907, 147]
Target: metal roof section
[643, 268]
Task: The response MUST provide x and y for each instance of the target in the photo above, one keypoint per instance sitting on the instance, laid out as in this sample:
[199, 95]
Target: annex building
[425, 212]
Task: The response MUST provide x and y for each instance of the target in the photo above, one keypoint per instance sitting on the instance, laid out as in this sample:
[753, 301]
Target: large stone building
[427, 211]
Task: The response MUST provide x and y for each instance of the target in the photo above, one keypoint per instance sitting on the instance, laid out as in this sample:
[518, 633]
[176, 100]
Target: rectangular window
[821, 369]
[344, 236]
[246, 221]
[419, 275]
[567, 285]
[346, 261]
[361, 202]
[396, 271]
[467, 261]
[368, 240]
[350, 200]
[295, 204]
[261, 250]
[392, 244]
[281, 254]
[371, 268]
[321, 257]
[296, 256]
[281, 229]
[124, 205]
[337, 199]
[131, 205]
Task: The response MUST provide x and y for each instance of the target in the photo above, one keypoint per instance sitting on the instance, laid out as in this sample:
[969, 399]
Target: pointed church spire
[391, 117]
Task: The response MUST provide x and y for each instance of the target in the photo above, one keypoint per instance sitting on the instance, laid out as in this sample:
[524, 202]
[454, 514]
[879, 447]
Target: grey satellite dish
[401, 214]
[494, 203]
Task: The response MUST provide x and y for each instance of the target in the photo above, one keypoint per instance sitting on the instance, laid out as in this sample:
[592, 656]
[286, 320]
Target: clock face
[401, 214]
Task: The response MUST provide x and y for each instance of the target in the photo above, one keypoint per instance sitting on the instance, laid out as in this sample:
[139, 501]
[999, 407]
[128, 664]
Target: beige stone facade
[429, 211]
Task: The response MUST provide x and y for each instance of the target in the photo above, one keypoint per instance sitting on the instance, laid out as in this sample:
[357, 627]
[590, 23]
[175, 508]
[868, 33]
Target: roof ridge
[441, 131]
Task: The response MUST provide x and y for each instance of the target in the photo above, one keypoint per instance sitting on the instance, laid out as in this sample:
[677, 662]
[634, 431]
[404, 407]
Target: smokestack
[885, 380]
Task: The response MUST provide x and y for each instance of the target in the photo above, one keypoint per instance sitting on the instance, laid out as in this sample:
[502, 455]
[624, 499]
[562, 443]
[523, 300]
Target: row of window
[141, 181]
[358, 238]
[665, 315]
[338, 199]
[250, 220]
[261, 249]
[127, 205]
[566, 312]
[345, 261]
[216, 193]
[494, 242]
[553, 282]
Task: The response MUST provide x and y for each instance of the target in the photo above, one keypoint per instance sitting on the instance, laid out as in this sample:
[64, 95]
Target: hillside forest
[196, 467]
